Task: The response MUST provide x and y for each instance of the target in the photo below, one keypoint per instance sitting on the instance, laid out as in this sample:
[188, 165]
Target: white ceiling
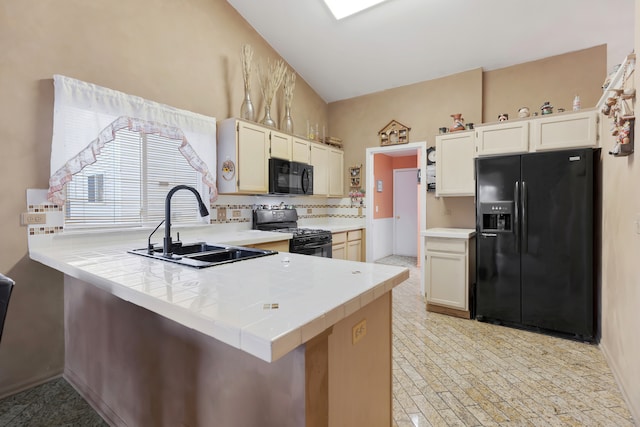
[401, 42]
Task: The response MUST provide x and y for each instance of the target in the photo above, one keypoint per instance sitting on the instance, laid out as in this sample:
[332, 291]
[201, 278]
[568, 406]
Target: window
[128, 183]
[115, 156]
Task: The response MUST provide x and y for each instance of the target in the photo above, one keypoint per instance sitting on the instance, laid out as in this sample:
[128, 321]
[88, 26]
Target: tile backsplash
[237, 210]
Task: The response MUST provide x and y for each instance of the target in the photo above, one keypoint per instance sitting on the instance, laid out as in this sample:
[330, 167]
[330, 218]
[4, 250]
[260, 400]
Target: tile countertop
[451, 233]
[233, 303]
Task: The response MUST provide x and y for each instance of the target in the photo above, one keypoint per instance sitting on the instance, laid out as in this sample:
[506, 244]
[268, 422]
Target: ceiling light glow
[343, 8]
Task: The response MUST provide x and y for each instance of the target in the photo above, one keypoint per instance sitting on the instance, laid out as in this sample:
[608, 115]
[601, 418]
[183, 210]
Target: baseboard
[93, 399]
[26, 385]
[463, 314]
[635, 410]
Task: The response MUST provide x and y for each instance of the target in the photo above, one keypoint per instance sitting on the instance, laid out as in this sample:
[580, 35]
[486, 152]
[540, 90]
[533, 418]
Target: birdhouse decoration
[394, 133]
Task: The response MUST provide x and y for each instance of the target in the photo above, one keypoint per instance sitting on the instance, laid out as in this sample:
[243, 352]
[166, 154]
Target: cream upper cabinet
[568, 130]
[328, 175]
[281, 145]
[319, 158]
[336, 172]
[300, 150]
[455, 164]
[502, 138]
[245, 147]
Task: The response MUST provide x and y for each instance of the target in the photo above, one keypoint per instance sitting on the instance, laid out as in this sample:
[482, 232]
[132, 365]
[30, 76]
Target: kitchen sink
[201, 255]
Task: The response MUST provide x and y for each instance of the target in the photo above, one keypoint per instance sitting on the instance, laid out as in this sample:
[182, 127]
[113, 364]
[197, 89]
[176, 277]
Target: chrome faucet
[166, 248]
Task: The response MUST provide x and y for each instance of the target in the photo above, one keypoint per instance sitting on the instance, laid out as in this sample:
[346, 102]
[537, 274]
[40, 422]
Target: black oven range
[305, 241]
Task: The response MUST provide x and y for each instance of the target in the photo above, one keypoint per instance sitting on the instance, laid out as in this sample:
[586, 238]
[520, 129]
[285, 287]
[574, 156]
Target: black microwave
[286, 177]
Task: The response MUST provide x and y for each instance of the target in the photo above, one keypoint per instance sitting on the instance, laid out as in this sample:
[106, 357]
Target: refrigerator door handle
[489, 234]
[525, 237]
[516, 215]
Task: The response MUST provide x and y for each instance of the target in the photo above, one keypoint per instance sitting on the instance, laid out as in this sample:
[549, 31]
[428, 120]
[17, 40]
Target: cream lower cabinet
[449, 270]
[348, 245]
[354, 245]
[339, 245]
[454, 164]
[280, 246]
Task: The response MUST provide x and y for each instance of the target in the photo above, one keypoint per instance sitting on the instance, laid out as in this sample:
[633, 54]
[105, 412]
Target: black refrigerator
[535, 241]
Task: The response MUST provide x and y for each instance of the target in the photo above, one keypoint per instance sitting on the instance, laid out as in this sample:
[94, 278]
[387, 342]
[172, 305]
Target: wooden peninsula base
[138, 368]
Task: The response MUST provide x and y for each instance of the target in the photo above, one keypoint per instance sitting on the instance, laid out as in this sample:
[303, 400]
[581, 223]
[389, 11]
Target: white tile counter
[450, 233]
[233, 303]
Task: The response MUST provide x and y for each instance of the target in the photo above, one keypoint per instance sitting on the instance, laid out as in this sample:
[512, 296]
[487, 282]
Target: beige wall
[620, 269]
[185, 53]
[556, 79]
[424, 107]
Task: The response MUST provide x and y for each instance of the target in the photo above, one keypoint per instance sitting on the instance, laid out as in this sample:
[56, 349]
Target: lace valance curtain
[87, 116]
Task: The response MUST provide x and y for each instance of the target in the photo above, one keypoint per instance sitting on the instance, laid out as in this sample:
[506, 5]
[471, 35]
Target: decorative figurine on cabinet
[546, 108]
[503, 117]
[458, 123]
[523, 112]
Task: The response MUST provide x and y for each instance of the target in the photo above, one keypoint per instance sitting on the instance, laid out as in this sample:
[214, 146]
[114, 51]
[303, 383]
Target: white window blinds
[128, 183]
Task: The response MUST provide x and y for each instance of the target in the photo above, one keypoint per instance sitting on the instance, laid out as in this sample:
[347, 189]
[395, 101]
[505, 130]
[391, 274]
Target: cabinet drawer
[354, 235]
[339, 238]
[446, 245]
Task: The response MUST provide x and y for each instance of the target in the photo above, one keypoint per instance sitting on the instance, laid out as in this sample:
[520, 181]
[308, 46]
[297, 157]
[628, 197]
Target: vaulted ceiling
[400, 42]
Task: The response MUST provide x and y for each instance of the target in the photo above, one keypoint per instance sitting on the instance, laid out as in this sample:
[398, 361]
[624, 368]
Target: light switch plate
[236, 213]
[33, 218]
[222, 214]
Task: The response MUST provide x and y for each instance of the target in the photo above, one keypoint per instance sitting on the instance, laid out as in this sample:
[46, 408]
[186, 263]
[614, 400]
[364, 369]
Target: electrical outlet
[33, 218]
[359, 331]
[236, 213]
[309, 210]
[222, 214]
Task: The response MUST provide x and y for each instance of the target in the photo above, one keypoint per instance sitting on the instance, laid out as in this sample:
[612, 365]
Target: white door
[405, 212]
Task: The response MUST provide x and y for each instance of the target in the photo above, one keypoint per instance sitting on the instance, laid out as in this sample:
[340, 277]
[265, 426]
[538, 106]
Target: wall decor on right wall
[618, 103]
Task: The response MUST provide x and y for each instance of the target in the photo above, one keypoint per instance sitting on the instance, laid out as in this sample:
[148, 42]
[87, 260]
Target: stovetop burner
[285, 220]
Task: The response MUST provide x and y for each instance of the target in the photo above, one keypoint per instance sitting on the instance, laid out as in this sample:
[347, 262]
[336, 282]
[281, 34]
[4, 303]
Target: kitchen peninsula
[282, 340]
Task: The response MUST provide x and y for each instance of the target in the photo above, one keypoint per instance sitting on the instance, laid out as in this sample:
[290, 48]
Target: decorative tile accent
[34, 230]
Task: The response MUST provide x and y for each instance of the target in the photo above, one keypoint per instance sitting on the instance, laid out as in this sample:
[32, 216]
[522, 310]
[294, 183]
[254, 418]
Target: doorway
[380, 236]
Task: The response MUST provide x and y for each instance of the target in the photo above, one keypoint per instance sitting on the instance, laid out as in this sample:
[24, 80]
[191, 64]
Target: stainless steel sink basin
[201, 255]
